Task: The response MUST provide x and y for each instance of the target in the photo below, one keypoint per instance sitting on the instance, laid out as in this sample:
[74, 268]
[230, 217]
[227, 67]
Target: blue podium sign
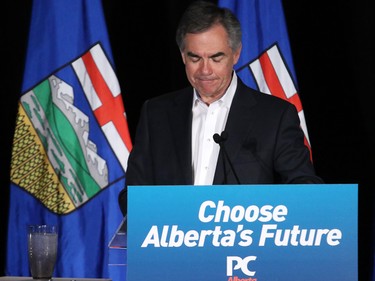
[243, 232]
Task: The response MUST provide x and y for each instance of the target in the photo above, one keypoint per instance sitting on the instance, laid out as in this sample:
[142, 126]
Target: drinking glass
[42, 247]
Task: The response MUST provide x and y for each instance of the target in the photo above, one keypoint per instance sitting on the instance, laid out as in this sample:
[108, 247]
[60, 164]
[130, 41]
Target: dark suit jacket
[265, 142]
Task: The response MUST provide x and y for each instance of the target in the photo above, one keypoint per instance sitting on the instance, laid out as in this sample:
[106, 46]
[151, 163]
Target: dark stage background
[333, 51]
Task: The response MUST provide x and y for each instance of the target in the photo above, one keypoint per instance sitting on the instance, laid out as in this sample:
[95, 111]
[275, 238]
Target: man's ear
[183, 57]
[237, 54]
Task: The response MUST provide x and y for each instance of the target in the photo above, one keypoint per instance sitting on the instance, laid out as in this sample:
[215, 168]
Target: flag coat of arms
[71, 140]
[266, 61]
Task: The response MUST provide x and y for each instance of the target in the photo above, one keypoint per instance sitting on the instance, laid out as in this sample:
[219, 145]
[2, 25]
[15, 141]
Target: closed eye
[217, 57]
[193, 57]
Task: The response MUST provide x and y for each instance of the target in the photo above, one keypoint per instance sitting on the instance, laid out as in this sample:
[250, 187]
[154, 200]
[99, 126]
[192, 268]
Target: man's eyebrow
[219, 54]
[190, 54]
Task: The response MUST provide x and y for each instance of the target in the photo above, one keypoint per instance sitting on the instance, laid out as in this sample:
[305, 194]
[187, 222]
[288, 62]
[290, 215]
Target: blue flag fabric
[71, 141]
[266, 62]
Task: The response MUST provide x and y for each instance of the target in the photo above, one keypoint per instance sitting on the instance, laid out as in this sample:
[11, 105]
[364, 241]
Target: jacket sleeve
[292, 156]
[139, 169]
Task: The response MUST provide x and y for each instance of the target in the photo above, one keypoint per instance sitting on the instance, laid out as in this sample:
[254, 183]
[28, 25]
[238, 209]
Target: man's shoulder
[180, 95]
[260, 97]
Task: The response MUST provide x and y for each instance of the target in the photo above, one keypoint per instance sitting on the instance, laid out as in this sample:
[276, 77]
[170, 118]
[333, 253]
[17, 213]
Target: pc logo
[236, 263]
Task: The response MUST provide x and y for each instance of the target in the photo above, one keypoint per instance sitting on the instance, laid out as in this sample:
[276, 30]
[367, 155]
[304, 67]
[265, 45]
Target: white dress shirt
[208, 120]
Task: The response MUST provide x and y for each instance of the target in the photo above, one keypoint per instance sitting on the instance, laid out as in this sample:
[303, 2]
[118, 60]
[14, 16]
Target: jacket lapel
[239, 123]
[180, 118]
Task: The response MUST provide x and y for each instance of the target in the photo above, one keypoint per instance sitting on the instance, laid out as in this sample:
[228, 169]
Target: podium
[243, 232]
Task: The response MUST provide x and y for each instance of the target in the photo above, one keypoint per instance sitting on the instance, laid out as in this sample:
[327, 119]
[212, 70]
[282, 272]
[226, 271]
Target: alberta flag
[266, 60]
[71, 141]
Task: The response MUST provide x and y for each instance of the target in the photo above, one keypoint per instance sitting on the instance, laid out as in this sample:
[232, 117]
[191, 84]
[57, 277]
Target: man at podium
[218, 130]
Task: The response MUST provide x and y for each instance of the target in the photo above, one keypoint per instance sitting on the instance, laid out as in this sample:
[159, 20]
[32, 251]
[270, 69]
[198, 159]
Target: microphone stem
[230, 164]
[224, 165]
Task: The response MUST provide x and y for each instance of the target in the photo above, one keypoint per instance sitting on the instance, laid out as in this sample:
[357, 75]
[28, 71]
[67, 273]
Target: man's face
[209, 62]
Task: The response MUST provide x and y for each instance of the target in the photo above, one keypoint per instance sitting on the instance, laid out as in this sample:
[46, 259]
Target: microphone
[220, 140]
